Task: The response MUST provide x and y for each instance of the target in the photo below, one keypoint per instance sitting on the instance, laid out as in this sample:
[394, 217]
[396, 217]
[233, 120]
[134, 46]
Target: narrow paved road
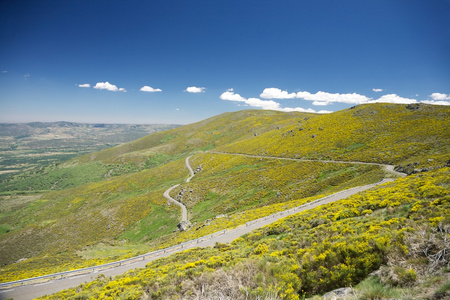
[184, 215]
[388, 168]
[190, 170]
[39, 289]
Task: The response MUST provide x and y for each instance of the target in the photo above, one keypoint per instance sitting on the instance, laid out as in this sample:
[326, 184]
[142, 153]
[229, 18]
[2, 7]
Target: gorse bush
[382, 133]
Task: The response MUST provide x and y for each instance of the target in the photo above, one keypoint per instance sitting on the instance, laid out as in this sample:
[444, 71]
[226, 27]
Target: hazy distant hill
[24, 145]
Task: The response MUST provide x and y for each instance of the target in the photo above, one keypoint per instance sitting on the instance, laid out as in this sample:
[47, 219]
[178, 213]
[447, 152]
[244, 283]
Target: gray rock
[341, 293]
[184, 225]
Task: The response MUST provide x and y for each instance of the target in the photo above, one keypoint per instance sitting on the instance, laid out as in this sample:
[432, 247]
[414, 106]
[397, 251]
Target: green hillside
[150, 151]
[91, 218]
[386, 133]
[400, 229]
[26, 149]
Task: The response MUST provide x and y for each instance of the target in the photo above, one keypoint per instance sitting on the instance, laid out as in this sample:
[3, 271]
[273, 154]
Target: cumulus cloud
[84, 85]
[435, 102]
[352, 98]
[439, 96]
[323, 103]
[108, 86]
[230, 95]
[319, 98]
[194, 89]
[298, 109]
[264, 104]
[275, 93]
[149, 89]
[323, 98]
[393, 98]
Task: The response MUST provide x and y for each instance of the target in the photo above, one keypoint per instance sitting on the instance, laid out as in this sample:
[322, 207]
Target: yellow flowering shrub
[305, 257]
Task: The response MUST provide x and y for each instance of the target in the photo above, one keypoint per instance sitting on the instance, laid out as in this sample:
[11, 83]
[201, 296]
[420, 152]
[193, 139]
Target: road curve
[184, 215]
[388, 168]
[190, 169]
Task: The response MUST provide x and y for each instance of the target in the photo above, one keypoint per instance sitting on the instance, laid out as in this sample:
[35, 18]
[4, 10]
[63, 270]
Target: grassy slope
[151, 151]
[332, 246]
[225, 185]
[29, 148]
[203, 135]
[383, 133]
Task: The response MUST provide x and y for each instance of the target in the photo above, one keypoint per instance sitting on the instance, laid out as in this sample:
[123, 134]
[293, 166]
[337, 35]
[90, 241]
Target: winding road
[184, 216]
[388, 168]
[44, 285]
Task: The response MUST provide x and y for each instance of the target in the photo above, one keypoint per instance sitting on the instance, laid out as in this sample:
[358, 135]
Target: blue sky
[181, 61]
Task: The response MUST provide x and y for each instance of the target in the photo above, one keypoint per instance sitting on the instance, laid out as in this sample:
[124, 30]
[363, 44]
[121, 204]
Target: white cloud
[319, 98]
[322, 99]
[321, 103]
[275, 93]
[352, 98]
[5, 71]
[393, 98]
[26, 75]
[439, 96]
[149, 89]
[108, 86]
[434, 102]
[194, 89]
[230, 95]
[299, 109]
[84, 85]
[377, 90]
[264, 104]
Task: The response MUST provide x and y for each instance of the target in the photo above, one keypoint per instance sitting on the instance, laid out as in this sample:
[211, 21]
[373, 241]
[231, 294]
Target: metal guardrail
[292, 210]
[93, 269]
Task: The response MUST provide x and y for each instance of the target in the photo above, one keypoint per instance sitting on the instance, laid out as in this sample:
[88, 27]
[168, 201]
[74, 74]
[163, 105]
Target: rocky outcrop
[413, 168]
[184, 225]
[342, 293]
[198, 169]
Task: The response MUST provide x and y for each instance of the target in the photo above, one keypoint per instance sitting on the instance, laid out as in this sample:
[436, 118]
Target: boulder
[184, 225]
[342, 293]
